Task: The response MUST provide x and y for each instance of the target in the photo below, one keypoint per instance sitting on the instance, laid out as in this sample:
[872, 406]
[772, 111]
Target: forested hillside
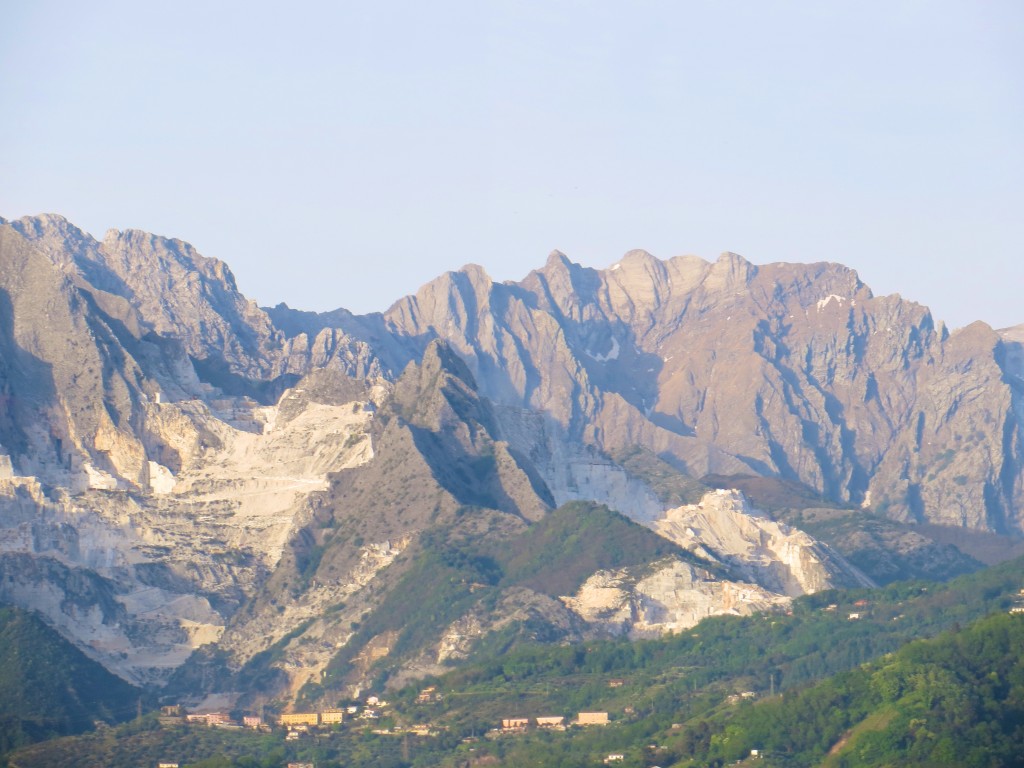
[801, 689]
[954, 700]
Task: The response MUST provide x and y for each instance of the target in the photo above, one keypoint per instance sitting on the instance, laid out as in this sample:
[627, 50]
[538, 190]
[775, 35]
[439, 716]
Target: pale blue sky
[341, 154]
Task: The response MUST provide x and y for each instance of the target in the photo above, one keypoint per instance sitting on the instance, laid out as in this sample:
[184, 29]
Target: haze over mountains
[320, 501]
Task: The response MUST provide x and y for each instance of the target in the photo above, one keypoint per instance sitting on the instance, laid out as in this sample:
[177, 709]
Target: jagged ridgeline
[210, 497]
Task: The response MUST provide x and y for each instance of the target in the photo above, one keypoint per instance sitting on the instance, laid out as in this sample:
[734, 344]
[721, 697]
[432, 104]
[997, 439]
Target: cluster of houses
[296, 723]
[1018, 603]
[853, 615]
[736, 698]
[299, 723]
[553, 722]
[429, 695]
[212, 719]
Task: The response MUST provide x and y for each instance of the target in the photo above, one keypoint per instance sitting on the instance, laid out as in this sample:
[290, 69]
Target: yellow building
[332, 716]
[300, 718]
[592, 718]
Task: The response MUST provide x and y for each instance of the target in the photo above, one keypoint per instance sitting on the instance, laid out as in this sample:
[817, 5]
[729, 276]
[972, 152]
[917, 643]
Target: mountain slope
[48, 687]
[431, 548]
[952, 700]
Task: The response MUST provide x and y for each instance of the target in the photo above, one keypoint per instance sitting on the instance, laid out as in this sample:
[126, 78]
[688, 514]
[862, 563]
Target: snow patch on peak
[612, 354]
[822, 303]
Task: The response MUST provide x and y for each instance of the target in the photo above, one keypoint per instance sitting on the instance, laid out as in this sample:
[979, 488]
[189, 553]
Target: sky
[343, 154]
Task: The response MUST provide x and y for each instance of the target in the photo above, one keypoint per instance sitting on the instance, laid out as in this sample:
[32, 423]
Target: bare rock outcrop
[725, 528]
[666, 597]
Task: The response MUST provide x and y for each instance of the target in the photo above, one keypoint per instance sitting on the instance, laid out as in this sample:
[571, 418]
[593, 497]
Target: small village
[295, 726]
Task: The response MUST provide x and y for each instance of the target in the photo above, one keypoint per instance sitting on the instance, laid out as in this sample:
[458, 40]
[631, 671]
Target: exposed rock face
[724, 528]
[81, 383]
[167, 530]
[675, 596]
[175, 291]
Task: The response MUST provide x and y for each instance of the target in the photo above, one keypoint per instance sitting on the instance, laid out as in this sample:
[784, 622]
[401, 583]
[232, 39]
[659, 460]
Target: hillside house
[428, 695]
[551, 722]
[592, 718]
[515, 723]
[737, 697]
[332, 716]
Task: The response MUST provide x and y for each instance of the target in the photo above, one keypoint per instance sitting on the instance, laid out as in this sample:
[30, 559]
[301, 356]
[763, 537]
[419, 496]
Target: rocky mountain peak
[476, 274]
[45, 224]
[169, 255]
[440, 359]
[637, 282]
[556, 259]
[62, 242]
[440, 390]
[563, 286]
[731, 271]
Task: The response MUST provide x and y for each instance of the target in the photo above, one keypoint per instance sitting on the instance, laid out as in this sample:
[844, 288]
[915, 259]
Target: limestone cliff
[670, 597]
[725, 528]
[788, 370]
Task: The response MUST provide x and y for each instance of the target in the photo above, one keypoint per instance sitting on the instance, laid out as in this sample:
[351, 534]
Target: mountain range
[209, 497]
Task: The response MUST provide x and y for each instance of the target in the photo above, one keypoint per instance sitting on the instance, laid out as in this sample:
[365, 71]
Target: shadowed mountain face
[319, 501]
[787, 370]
